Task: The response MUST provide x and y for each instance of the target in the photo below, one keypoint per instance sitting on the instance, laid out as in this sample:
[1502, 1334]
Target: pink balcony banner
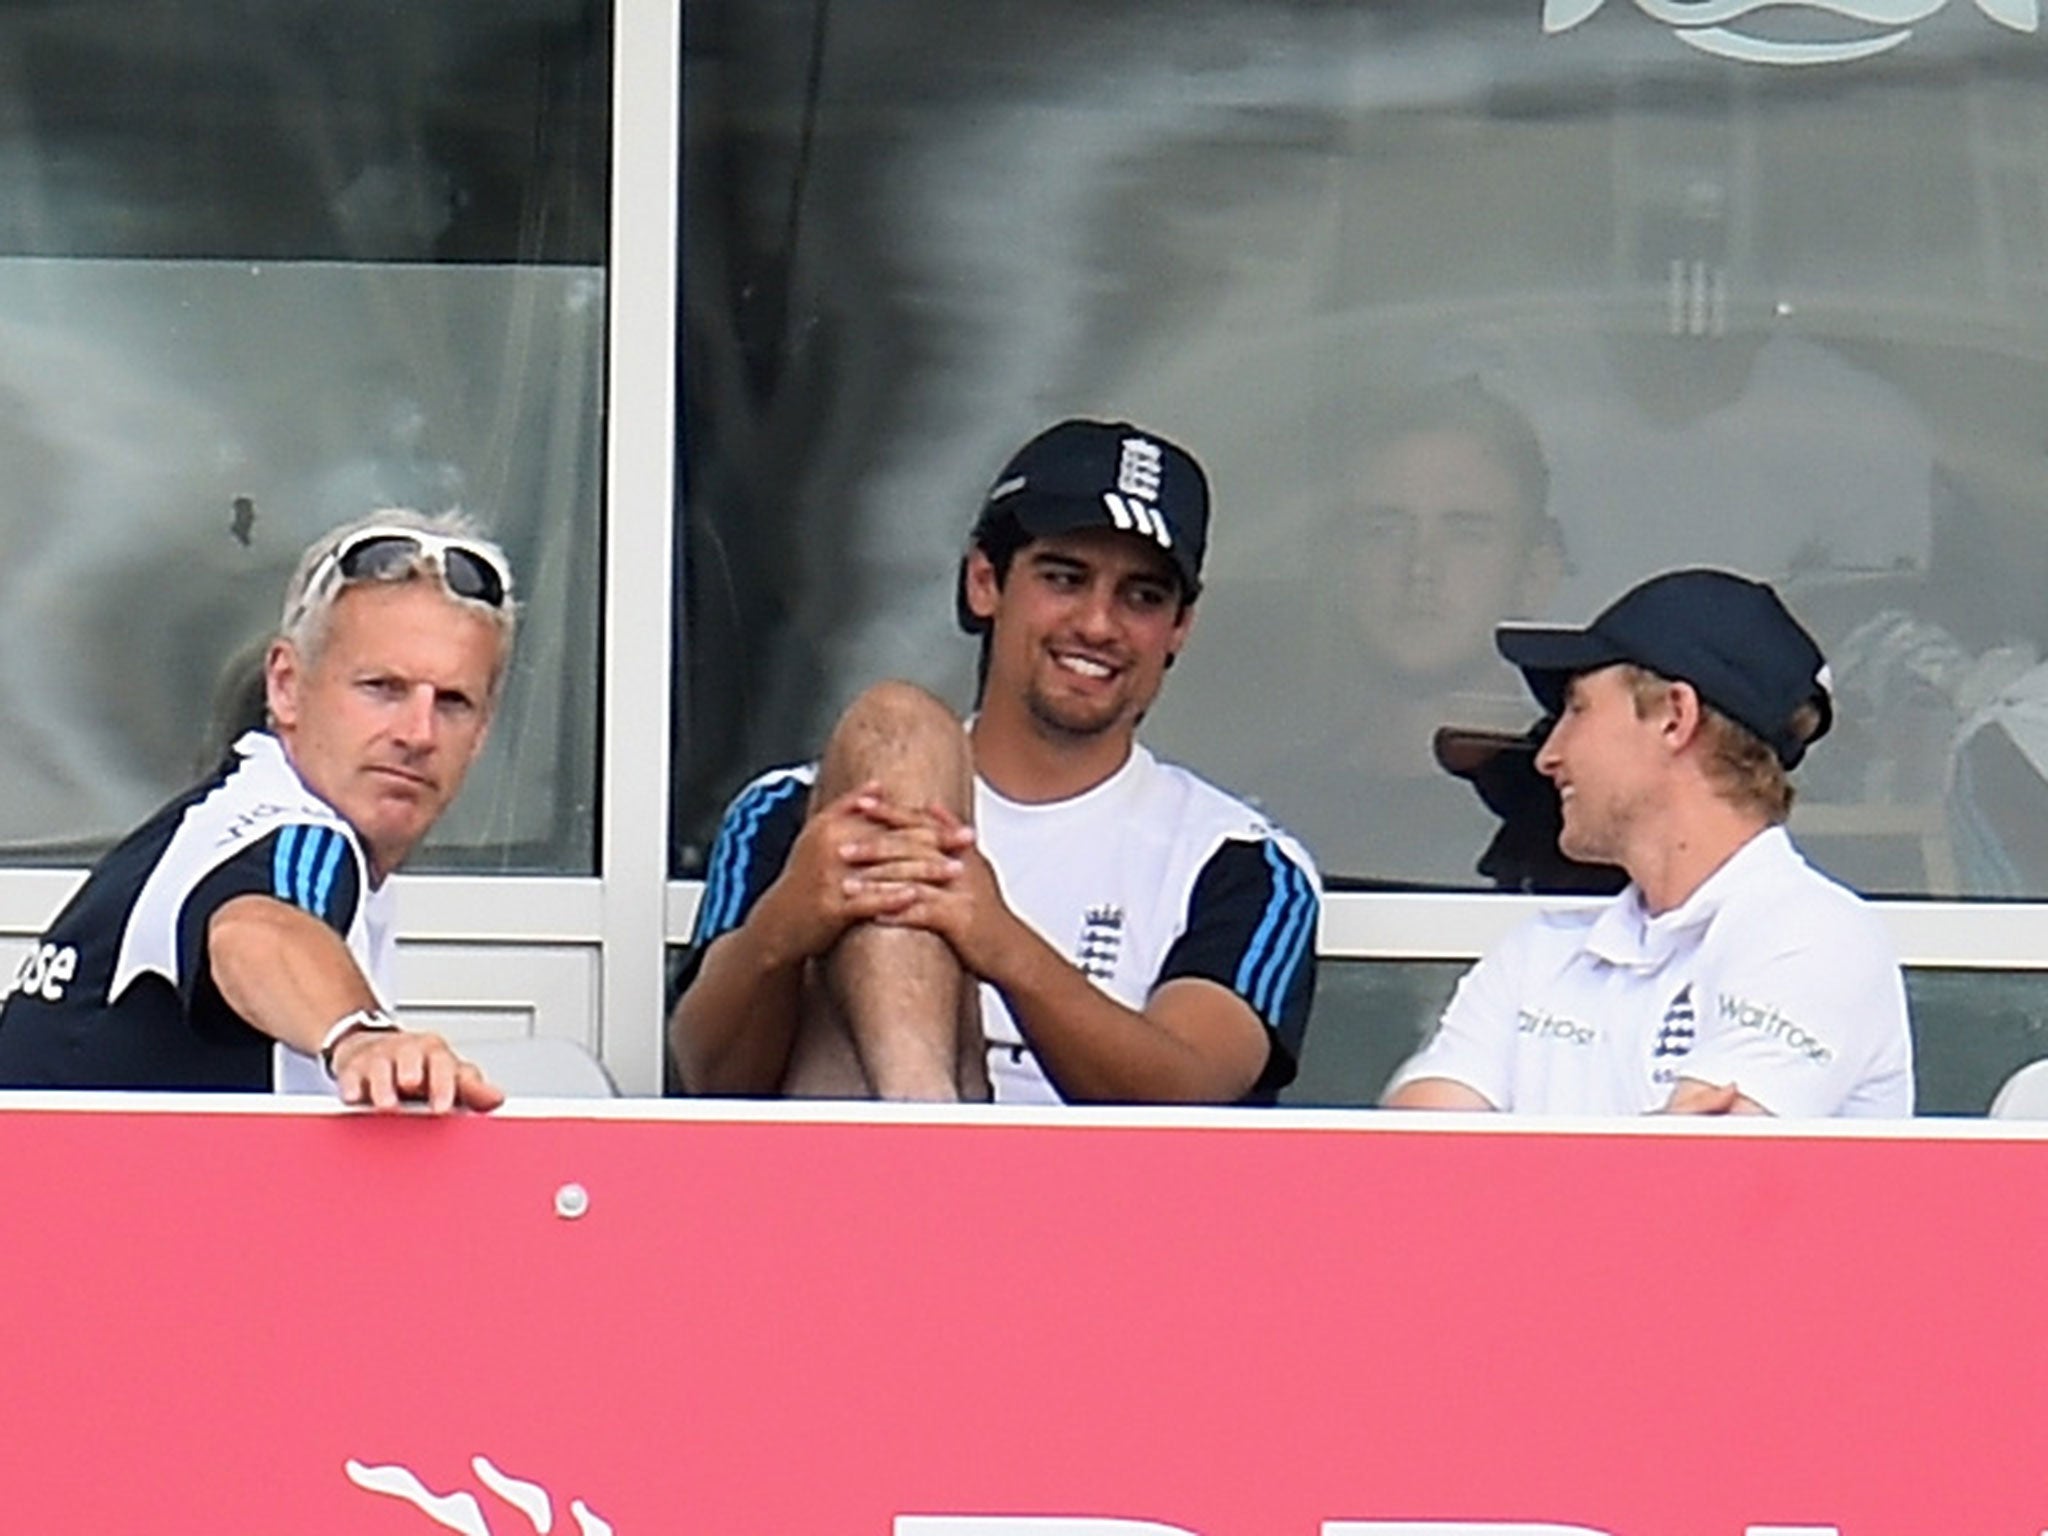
[680, 1321]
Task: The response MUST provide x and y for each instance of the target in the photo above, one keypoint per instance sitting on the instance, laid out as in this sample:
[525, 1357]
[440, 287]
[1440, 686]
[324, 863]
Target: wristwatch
[351, 1024]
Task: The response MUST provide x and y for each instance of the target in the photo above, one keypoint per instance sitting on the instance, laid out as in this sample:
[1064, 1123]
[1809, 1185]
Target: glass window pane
[1370, 1016]
[1764, 294]
[262, 271]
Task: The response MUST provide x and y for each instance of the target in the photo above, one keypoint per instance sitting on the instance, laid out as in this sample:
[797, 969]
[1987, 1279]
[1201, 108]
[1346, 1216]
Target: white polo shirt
[1770, 976]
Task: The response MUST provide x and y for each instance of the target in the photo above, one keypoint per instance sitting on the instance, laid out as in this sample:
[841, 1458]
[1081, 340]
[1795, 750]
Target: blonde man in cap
[1729, 975]
[1030, 906]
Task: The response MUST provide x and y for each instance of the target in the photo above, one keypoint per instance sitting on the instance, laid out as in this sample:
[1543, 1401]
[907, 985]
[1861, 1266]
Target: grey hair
[309, 605]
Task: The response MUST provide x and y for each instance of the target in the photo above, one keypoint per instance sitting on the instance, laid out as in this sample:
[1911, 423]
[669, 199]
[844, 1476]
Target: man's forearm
[283, 970]
[1435, 1093]
[1203, 1047]
[291, 976]
[1695, 1096]
[732, 1029]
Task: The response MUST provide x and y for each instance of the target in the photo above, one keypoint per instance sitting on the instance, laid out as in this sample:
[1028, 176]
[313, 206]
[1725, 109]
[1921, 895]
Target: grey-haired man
[1033, 906]
[242, 937]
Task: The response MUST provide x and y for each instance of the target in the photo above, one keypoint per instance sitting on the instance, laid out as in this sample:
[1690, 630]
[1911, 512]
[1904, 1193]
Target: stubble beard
[1600, 837]
[1065, 722]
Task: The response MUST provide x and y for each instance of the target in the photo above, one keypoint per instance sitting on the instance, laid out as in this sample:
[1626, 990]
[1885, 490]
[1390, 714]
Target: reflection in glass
[182, 430]
[1789, 320]
[1437, 530]
[277, 266]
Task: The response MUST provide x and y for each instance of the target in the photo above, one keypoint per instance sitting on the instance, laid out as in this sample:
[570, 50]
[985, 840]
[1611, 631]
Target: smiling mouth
[1090, 667]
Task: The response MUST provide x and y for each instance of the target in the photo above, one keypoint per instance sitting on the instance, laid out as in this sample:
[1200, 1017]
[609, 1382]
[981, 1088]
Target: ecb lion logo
[1869, 27]
[459, 1511]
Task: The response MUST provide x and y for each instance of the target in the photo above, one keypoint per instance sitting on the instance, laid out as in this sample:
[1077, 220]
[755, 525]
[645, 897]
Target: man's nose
[1097, 610]
[416, 718]
[1425, 559]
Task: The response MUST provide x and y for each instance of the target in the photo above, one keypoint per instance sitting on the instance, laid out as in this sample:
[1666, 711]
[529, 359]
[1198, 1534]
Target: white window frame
[628, 917]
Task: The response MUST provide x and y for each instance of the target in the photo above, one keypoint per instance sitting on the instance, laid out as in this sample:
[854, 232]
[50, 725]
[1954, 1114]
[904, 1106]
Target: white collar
[1116, 784]
[1627, 933]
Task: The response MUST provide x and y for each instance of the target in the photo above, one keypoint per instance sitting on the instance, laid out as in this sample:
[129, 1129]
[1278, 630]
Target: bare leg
[971, 1069]
[886, 1011]
[822, 1061]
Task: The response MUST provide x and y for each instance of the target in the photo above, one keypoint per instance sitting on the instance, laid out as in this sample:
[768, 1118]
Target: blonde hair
[1743, 768]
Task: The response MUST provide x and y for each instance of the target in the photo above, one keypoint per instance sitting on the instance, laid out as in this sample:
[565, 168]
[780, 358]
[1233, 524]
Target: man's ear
[483, 732]
[282, 674]
[1681, 722]
[980, 586]
[1183, 627]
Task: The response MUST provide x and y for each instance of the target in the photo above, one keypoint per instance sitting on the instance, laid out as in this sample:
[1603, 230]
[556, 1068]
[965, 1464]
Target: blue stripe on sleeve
[281, 863]
[1275, 952]
[1295, 942]
[726, 886]
[311, 846]
[323, 885]
[1256, 952]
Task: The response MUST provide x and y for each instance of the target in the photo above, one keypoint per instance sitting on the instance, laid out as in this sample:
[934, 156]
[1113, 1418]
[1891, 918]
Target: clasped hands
[864, 858]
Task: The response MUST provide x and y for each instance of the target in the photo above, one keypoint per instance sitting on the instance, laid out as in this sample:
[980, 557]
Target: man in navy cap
[1029, 906]
[1728, 975]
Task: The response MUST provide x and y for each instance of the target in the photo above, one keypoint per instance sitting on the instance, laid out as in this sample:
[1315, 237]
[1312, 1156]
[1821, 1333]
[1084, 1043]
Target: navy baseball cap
[1728, 636]
[1105, 474]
